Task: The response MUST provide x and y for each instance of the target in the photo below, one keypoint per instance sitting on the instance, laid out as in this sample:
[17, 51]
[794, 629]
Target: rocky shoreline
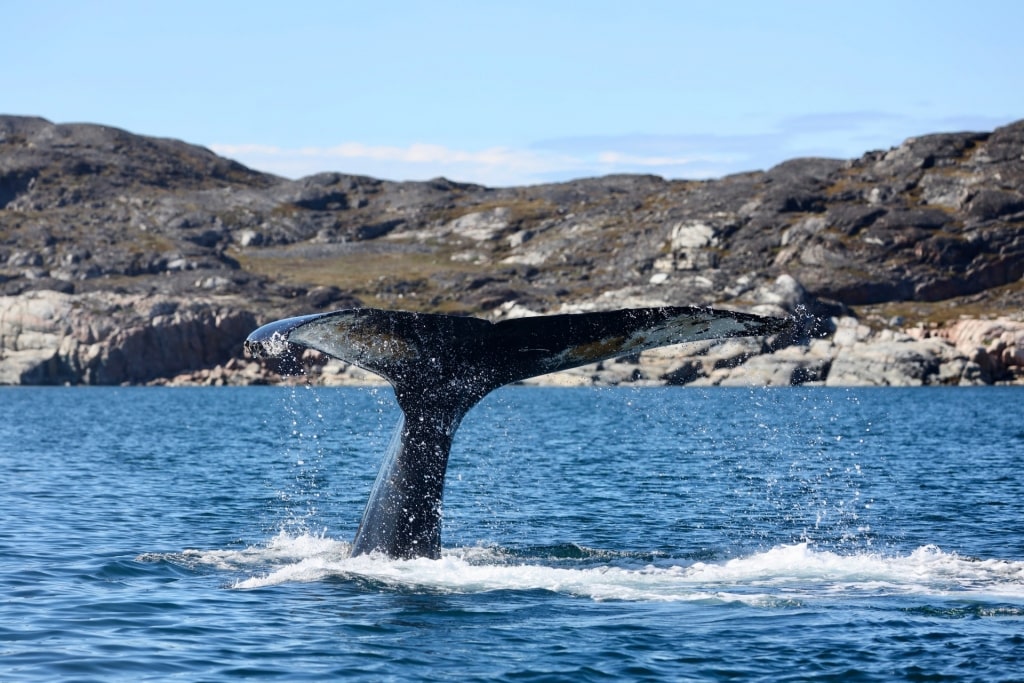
[57, 338]
[134, 260]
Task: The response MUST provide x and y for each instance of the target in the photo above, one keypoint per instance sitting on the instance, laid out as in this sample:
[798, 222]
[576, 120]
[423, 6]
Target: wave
[784, 575]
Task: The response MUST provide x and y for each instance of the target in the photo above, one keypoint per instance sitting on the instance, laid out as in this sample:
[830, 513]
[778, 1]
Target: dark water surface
[654, 534]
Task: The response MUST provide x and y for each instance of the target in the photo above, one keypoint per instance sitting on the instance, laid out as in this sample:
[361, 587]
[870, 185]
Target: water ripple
[589, 535]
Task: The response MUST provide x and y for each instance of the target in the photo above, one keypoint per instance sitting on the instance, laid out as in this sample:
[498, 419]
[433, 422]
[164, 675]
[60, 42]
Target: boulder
[892, 362]
[996, 346]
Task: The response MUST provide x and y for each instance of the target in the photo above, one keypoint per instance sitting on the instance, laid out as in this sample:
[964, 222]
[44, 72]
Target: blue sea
[590, 534]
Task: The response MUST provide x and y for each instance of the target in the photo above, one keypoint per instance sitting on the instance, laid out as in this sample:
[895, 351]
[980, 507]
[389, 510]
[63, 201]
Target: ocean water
[614, 534]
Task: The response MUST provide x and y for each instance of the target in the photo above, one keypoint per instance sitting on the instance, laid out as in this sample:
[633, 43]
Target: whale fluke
[442, 365]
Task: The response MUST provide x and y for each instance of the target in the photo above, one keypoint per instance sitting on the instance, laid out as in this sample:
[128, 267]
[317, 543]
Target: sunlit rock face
[49, 337]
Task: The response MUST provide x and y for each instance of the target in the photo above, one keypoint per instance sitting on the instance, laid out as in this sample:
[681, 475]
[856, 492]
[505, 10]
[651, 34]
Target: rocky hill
[129, 259]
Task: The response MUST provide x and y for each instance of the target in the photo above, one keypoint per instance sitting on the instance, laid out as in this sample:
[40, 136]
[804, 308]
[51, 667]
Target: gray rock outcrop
[49, 337]
[125, 258]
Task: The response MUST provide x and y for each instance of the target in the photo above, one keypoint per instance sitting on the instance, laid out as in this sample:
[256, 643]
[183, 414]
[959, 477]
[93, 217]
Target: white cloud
[691, 156]
[493, 166]
[496, 166]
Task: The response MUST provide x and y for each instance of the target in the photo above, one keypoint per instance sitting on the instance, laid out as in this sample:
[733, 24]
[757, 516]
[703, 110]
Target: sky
[518, 92]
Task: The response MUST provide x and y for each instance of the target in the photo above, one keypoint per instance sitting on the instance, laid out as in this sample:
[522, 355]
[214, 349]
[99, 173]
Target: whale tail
[441, 366]
[473, 354]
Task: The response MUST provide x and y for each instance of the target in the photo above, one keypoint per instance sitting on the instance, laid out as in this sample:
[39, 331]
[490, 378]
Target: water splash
[305, 487]
[785, 575]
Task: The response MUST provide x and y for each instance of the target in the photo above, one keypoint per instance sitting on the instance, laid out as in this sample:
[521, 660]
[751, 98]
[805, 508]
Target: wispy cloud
[493, 166]
[496, 166]
[693, 156]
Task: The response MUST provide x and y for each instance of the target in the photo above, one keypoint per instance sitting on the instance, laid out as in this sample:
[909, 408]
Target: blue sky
[508, 93]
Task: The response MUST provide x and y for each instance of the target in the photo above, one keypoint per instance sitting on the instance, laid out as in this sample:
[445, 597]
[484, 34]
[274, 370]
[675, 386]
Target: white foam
[283, 548]
[783, 574]
[453, 573]
[926, 569]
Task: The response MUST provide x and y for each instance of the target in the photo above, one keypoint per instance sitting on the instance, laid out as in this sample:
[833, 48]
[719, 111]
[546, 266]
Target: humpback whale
[441, 365]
